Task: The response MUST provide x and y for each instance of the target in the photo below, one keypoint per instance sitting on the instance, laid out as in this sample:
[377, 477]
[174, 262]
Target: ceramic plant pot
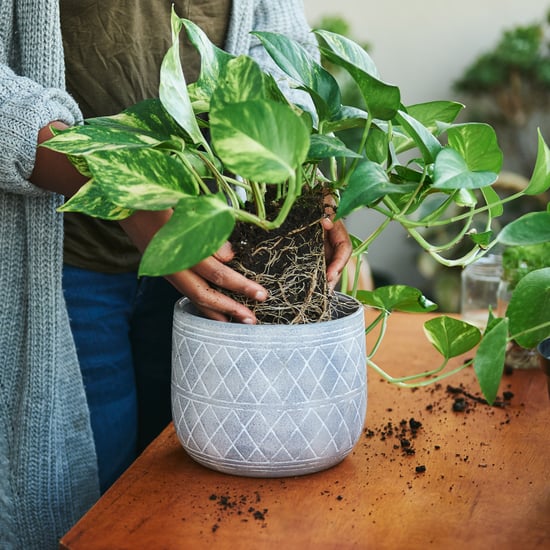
[544, 359]
[269, 400]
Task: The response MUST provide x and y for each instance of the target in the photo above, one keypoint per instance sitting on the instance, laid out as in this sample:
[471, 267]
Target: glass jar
[479, 286]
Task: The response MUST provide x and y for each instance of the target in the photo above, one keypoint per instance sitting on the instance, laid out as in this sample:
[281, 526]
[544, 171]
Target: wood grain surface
[434, 469]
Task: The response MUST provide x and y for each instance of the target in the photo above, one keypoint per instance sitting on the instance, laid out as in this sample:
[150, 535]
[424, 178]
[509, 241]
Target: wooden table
[476, 477]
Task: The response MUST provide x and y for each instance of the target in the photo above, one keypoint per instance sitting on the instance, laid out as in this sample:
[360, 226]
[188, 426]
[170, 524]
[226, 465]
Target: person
[48, 456]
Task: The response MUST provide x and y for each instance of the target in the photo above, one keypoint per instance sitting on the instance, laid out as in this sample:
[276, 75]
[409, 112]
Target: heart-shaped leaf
[90, 200]
[367, 185]
[477, 144]
[530, 325]
[260, 140]
[143, 179]
[382, 100]
[396, 298]
[452, 172]
[324, 147]
[298, 63]
[450, 336]
[531, 228]
[196, 230]
[540, 180]
[173, 87]
[489, 358]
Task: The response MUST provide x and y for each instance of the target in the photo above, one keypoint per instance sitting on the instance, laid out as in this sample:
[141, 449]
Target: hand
[337, 249]
[194, 283]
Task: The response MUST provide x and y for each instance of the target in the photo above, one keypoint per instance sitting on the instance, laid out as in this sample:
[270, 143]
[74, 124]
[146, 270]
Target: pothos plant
[231, 155]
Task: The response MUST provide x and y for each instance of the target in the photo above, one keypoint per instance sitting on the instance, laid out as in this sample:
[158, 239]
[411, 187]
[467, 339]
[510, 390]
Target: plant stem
[367, 242]
[527, 331]
[404, 381]
[460, 217]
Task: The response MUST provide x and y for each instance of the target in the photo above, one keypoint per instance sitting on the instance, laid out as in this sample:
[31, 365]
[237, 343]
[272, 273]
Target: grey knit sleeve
[25, 108]
[282, 16]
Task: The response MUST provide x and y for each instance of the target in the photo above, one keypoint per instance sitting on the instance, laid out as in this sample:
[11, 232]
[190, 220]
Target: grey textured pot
[269, 400]
[544, 359]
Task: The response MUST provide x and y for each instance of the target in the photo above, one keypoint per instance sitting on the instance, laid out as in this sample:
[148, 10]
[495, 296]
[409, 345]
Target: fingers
[339, 250]
[195, 284]
[223, 276]
[225, 253]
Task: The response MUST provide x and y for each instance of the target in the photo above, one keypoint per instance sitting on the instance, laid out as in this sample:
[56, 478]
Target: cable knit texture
[48, 472]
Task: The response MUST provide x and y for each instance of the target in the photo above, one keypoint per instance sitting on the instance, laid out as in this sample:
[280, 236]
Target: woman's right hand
[195, 284]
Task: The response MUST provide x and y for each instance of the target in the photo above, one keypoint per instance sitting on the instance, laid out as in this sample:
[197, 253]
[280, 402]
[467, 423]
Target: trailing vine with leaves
[155, 156]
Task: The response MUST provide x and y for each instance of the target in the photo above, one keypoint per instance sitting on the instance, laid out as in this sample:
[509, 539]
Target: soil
[405, 441]
[247, 507]
[289, 262]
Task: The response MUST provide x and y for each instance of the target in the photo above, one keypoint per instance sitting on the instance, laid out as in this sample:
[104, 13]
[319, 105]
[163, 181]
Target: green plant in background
[155, 156]
[516, 72]
[509, 87]
[518, 261]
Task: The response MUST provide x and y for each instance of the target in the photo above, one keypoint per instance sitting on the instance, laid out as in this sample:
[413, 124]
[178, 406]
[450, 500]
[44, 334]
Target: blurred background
[493, 56]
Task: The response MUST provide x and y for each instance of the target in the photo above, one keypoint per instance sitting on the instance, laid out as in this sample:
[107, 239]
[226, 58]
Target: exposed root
[290, 264]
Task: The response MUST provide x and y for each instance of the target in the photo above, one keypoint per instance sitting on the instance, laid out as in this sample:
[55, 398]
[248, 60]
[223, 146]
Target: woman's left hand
[337, 249]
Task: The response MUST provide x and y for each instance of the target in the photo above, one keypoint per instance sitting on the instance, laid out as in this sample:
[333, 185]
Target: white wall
[422, 46]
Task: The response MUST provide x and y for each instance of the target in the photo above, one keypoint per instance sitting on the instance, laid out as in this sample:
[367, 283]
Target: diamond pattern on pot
[256, 435]
[268, 400]
[227, 374]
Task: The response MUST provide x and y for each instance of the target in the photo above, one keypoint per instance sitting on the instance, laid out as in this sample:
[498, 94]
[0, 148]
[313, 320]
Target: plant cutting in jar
[236, 160]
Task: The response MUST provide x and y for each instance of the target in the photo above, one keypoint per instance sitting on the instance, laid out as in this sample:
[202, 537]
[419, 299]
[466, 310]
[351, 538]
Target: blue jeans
[122, 330]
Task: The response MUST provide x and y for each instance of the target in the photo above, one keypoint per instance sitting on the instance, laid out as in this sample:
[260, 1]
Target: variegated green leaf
[260, 140]
[478, 145]
[144, 179]
[489, 359]
[540, 180]
[433, 113]
[197, 229]
[295, 61]
[348, 50]
[367, 185]
[452, 172]
[482, 239]
[148, 117]
[396, 298]
[531, 228]
[324, 147]
[428, 145]
[346, 117]
[451, 337]
[434, 116]
[382, 100]
[87, 139]
[90, 200]
[245, 81]
[530, 325]
[493, 201]
[213, 59]
[173, 88]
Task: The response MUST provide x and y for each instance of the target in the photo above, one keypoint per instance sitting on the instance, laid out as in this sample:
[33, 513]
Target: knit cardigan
[48, 470]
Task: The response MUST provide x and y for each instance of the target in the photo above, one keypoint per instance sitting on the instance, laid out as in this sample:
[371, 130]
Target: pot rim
[350, 308]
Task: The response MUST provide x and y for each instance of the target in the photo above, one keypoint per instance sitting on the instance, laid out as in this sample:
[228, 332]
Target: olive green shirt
[113, 53]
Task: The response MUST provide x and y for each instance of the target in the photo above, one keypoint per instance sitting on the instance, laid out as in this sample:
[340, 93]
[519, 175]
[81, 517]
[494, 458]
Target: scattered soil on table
[406, 439]
[441, 399]
[246, 506]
